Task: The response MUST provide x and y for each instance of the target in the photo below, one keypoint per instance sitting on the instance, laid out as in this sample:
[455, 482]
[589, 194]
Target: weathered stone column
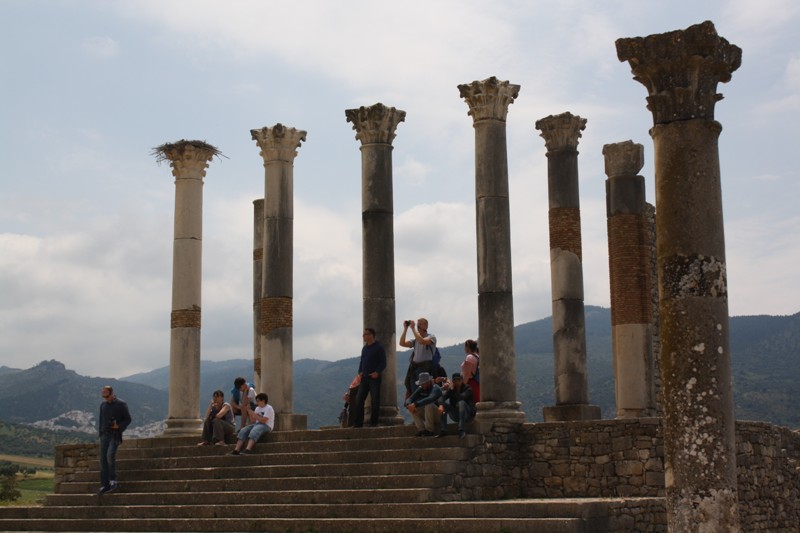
[561, 134]
[630, 283]
[375, 127]
[189, 160]
[488, 102]
[278, 146]
[681, 70]
[258, 281]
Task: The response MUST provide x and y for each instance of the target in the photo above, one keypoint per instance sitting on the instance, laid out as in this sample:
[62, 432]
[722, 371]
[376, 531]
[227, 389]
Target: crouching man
[422, 405]
[458, 403]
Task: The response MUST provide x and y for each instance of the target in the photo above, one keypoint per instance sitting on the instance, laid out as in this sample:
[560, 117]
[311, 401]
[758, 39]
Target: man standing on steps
[424, 346]
[370, 368]
[114, 418]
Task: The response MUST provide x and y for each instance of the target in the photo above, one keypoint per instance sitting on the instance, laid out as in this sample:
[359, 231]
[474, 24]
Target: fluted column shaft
[488, 102]
[561, 134]
[258, 280]
[189, 163]
[630, 283]
[681, 71]
[278, 146]
[375, 128]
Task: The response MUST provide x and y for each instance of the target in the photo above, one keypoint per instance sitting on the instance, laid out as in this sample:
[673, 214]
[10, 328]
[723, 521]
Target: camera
[406, 323]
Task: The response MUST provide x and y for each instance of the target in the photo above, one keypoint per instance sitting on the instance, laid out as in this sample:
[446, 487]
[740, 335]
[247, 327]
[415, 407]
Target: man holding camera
[424, 346]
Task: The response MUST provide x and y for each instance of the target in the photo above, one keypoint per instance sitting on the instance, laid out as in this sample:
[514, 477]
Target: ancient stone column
[561, 134]
[681, 70]
[629, 273]
[278, 146]
[375, 127]
[488, 102]
[189, 160]
[258, 277]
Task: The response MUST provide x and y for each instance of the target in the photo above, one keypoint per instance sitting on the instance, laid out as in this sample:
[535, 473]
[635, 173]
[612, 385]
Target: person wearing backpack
[471, 370]
[424, 347]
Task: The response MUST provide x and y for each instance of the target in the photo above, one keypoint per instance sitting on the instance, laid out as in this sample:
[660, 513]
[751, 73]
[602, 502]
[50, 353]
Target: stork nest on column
[160, 152]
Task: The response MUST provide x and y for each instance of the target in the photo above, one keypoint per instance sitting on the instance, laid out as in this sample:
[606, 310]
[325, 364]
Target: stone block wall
[623, 459]
[71, 459]
[768, 464]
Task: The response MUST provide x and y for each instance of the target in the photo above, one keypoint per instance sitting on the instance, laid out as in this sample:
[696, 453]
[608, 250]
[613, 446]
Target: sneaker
[219, 443]
[248, 452]
[204, 443]
[112, 486]
[233, 452]
[441, 434]
[427, 433]
[462, 434]
[103, 490]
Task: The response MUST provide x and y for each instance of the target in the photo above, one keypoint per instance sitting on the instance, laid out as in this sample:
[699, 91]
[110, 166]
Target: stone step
[509, 509]
[133, 449]
[216, 456]
[410, 495]
[295, 525]
[247, 483]
[287, 436]
[249, 466]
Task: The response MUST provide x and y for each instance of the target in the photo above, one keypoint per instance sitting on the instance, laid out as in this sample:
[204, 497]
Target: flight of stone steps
[329, 481]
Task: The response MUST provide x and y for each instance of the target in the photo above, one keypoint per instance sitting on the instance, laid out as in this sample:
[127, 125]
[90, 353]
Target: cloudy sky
[90, 87]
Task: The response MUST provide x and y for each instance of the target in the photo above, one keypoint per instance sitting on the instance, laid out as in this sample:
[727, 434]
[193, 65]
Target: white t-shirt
[268, 412]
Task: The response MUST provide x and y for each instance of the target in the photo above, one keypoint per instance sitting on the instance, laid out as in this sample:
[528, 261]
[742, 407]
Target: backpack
[437, 358]
[477, 376]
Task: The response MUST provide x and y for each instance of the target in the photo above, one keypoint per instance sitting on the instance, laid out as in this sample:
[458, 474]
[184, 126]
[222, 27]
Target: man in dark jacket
[456, 402]
[370, 368]
[114, 418]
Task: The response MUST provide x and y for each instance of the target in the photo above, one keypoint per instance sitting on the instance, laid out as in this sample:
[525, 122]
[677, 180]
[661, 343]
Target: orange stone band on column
[185, 318]
[565, 229]
[630, 268]
[276, 312]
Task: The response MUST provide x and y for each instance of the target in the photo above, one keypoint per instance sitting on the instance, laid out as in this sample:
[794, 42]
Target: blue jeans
[371, 386]
[253, 431]
[463, 414]
[108, 459]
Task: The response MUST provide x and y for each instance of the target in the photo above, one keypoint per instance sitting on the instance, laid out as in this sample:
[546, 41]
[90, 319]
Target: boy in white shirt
[264, 418]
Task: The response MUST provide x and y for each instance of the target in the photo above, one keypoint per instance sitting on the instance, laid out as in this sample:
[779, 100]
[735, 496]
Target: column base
[491, 414]
[568, 413]
[177, 427]
[390, 416]
[290, 422]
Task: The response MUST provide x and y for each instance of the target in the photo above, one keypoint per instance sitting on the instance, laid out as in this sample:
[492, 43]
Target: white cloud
[100, 47]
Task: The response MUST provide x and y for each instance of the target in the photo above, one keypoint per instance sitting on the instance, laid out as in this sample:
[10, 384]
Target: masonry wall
[620, 459]
[624, 459]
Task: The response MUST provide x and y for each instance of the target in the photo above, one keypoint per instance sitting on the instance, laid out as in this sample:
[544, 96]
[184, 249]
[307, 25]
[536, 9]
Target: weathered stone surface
[488, 102]
[681, 71]
[375, 127]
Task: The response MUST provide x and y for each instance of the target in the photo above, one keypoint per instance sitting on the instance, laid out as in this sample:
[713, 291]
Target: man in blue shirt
[370, 368]
[114, 418]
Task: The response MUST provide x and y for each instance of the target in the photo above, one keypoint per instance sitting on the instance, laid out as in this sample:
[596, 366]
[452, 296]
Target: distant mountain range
[766, 378]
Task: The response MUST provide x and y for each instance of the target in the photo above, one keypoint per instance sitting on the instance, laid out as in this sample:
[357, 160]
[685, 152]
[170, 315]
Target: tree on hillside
[8, 488]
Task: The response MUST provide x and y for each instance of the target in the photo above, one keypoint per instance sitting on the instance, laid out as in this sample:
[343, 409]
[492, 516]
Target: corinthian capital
[186, 157]
[623, 159]
[681, 70]
[561, 132]
[488, 99]
[376, 123]
[278, 143]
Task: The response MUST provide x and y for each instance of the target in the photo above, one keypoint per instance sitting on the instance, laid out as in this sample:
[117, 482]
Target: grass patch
[33, 489]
